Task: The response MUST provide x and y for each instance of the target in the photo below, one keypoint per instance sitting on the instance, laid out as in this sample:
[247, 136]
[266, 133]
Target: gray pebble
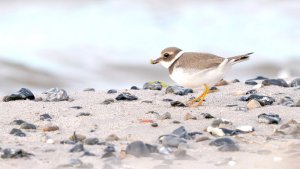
[45, 116]
[112, 91]
[269, 118]
[17, 132]
[27, 126]
[77, 148]
[126, 96]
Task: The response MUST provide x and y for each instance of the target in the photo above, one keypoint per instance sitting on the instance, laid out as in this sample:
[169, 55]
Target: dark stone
[253, 91]
[229, 132]
[207, 116]
[89, 154]
[139, 149]
[17, 132]
[176, 122]
[83, 114]
[27, 126]
[147, 101]
[108, 101]
[214, 88]
[68, 142]
[217, 122]
[178, 90]
[77, 148]
[224, 144]
[260, 78]
[76, 107]
[112, 91]
[287, 101]
[235, 81]
[126, 96]
[14, 153]
[154, 125]
[89, 90]
[91, 141]
[17, 122]
[269, 118]
[263, 100]
[251, 82]
[295, 82]
[182, 133]
[177, 104]
[231, 105]
[134, 88]
[45, 117]
[276, 82]
[22, 94]
[167, 100]
[193, 135]
[153, 86]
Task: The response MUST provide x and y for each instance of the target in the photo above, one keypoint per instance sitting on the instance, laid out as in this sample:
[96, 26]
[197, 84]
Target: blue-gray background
[104, 44]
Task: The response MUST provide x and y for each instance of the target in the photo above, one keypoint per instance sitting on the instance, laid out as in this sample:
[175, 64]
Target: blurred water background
[104, 44]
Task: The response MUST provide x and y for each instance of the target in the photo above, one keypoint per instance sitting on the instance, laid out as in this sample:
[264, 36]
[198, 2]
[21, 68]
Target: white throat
[168, 64]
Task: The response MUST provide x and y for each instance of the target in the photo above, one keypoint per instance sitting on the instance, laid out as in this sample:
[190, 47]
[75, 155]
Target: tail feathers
[240, 58]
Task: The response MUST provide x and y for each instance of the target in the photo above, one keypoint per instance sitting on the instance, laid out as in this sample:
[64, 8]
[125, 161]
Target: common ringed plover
[194, 69]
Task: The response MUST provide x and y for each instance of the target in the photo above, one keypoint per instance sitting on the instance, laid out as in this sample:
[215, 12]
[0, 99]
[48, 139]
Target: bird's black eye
[166, 55]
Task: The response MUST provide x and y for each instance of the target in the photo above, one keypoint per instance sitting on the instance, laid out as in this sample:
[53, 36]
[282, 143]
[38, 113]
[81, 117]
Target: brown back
[193, 60]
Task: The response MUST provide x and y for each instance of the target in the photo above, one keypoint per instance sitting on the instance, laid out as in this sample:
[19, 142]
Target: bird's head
[167, 56]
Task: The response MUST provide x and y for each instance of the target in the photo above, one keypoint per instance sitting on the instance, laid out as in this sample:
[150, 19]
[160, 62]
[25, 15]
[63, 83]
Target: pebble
[17, 122]
[22, 94]
[202, 138]
[27, 126]
[213, 89]
[77, 148]
[253, 91]
[153, 85]
[134, 88]
[291, 128]
[171, 140]
[76, 107]
[126, 96]
[253, 104]
[188, 116]
[17, 132]
[167, 100]
[177, 104]
[297, 104]
[108, 101]
[244, 109]
[154, 125]
[178, 90]
[218, 122]
[263, 100]
[276, 82]
[109, 151]
[56, 95]
[222, 83]
[50, 128]
[112, 137]
[295, 82]
[251, 82]
[224, 144]
[245, 129]
[260, 78]
[14, 153]
[235, 81]
[165, 116]
[77, 137]
[181, 132]
[207, 116]
[89, 90]
[231, 105]
[180, 153]
[83, 114]
[112, 91]
[221, 131]
[45, 116]
[139, 149]
[269, 118]
[176, 122]
[287, 101]
[147, 101]
[91, 141]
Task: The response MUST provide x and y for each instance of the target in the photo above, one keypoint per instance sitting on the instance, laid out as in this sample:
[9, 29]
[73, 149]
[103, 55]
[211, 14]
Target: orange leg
[200, 98]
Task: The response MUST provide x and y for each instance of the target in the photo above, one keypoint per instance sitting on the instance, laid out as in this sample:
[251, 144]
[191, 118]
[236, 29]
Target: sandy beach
[132, 120]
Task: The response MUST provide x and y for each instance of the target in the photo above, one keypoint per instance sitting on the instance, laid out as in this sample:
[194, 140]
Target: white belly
[196, 78]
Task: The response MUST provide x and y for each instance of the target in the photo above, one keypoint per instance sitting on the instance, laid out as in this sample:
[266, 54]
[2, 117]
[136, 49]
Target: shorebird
[195, 69]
